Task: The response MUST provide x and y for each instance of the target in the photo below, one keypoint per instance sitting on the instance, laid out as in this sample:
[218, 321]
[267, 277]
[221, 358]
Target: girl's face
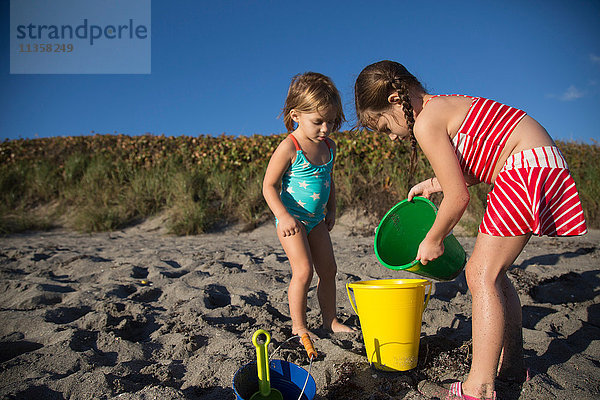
[316, 126]
[393, 123]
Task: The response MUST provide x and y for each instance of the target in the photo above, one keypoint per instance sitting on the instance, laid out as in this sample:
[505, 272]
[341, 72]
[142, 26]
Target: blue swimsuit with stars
[305, 188]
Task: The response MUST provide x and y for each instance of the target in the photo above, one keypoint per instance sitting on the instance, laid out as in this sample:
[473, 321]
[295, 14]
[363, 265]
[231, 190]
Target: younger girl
[304, 209]
[468, 140]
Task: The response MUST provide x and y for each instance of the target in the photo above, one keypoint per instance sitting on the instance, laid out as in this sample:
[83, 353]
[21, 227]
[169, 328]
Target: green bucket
[401, 231]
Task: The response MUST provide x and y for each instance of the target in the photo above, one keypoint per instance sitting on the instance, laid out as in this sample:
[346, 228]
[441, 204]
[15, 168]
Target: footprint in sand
[139, 272]
[172, 264]
[128, 321]
[13, 345]
[27, 296]
[174, 274]
[65, 315]
[83, 340]
[39, 392]
[225, 267]
[146, 295]
[567, 288]
[216, 296]
[257, 299]
[232, 323]
[174, 270]
[121, 291]
[40, 257]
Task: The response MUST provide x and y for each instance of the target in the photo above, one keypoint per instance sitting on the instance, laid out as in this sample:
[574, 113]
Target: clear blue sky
[224, 66]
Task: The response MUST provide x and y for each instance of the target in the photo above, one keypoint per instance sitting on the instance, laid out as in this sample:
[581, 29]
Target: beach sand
[139, 314]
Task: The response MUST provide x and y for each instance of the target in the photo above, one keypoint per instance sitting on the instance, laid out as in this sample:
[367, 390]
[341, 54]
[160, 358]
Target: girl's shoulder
[442, 111]
[287, 147]
[448, 100]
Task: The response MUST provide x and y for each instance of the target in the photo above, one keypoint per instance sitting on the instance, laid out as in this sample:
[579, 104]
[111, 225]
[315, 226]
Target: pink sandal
[430, 389]
[456, 393]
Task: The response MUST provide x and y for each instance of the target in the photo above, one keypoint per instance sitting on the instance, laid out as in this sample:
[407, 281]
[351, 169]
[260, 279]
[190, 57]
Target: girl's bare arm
[278, 164]
[433, 138]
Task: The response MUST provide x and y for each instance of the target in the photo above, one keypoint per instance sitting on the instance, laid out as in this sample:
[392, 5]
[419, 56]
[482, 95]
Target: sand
[140, 314]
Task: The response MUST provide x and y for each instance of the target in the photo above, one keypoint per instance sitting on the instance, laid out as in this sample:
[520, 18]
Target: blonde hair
[371, 91]
[312, 92]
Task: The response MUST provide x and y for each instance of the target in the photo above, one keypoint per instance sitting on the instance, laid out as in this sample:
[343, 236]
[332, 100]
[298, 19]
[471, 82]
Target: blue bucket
[286, 377]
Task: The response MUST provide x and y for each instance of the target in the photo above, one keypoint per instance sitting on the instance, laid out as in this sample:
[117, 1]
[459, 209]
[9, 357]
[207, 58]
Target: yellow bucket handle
[353, 302]
[430, 284]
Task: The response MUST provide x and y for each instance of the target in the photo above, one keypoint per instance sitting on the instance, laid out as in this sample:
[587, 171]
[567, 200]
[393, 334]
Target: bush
[107, 182]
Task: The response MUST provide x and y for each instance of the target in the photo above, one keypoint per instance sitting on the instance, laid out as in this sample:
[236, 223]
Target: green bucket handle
[353, 302]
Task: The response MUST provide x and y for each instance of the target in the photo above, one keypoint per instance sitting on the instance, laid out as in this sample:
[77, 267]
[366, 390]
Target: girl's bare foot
[337, 326]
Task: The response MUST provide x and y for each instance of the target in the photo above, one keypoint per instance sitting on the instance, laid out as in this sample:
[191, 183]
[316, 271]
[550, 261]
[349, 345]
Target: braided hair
[373, 86]
[410, 122]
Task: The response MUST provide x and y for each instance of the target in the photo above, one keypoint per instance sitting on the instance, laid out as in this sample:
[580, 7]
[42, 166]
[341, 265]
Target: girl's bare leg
[486, 271]
[297, 249]
[324, 261]
[512, 366]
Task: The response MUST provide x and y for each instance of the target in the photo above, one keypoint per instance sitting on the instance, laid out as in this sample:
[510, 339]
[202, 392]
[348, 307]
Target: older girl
[468, 140]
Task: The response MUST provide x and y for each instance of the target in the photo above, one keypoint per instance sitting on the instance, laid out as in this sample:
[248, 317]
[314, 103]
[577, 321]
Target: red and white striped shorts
[534, 192]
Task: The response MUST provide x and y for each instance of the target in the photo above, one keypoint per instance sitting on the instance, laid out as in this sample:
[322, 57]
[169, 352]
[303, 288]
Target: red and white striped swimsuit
[533, 192]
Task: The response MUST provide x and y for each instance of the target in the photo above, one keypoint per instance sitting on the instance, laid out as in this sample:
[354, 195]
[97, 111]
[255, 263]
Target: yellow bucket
[390, 313]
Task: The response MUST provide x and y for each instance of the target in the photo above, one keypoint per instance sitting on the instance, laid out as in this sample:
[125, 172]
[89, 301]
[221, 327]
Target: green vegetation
[107, 182]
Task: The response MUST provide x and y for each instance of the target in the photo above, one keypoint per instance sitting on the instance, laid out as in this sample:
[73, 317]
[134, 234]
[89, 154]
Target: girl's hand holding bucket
[425, 189]
[402, 242]
[429, 250]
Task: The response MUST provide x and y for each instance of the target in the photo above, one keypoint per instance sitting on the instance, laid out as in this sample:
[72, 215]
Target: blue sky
[224, 66]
